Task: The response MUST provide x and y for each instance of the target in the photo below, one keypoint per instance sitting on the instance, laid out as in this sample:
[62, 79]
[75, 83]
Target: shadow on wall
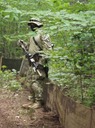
[10, 63]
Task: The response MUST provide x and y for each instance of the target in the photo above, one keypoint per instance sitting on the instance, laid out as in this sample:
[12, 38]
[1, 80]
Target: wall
[71, 114]
[12, 63]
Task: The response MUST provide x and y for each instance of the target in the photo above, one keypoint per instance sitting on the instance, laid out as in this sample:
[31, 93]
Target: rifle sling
[37, 43]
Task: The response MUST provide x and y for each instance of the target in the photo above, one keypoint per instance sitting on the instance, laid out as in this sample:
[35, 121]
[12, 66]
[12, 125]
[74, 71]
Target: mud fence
[71, 114]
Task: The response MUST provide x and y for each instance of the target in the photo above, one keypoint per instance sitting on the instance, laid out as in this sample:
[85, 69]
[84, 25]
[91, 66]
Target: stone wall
[71, 114]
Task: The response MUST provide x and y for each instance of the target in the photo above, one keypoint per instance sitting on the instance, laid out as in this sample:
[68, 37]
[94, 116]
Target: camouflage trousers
[35, 84]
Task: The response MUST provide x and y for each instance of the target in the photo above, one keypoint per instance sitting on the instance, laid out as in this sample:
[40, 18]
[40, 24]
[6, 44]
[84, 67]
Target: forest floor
[14, 114]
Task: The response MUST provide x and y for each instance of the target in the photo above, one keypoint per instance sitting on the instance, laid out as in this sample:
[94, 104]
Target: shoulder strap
[37, 43]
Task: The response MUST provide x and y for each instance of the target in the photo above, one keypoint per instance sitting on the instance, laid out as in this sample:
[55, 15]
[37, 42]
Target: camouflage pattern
[38, 44]
[35, 84]
[35, 81]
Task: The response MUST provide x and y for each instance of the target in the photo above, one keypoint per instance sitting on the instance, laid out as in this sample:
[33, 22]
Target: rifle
[32, 59]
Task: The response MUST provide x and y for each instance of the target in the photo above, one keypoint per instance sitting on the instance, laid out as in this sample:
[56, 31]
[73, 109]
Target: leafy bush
[71, 26]
[8, 80]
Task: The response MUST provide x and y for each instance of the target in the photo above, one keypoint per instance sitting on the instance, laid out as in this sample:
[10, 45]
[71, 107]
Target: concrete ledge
[71, 114]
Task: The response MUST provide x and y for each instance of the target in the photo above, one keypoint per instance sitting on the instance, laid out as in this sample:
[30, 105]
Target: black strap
[37, 44]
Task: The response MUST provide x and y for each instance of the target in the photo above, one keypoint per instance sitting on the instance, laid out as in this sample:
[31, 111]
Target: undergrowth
[8, 80]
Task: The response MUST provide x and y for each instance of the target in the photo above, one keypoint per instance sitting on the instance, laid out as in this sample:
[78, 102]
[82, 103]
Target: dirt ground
[14, 114]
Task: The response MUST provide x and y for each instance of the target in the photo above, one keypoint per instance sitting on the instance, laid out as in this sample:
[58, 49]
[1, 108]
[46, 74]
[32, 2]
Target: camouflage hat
[34, 23]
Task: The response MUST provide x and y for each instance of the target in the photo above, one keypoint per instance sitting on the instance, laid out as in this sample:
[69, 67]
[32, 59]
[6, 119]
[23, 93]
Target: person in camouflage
[36, 46]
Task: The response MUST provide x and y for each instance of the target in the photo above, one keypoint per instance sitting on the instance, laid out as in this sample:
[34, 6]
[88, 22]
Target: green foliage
[71, 26]
[8, 80]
